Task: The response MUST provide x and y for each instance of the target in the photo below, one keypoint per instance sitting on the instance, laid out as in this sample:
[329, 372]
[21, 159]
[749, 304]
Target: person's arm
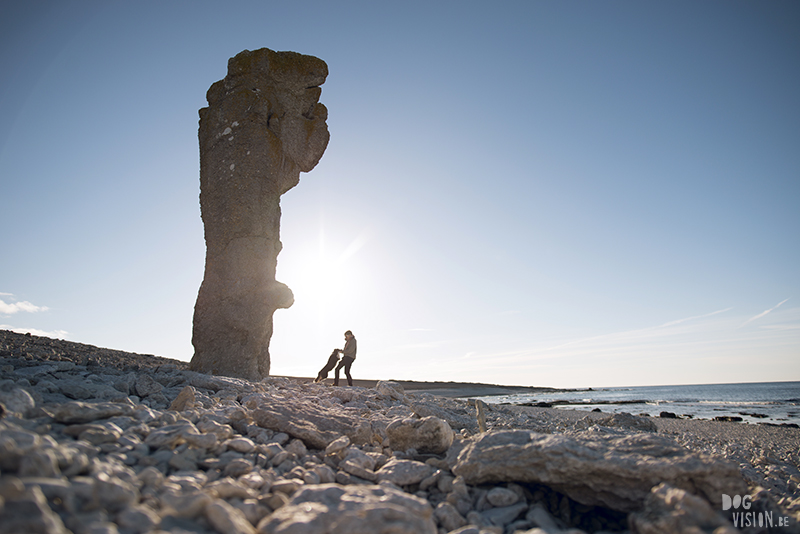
[350, 348]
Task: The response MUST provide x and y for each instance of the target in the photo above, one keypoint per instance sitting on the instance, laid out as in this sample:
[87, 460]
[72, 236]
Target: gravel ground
[768, 456]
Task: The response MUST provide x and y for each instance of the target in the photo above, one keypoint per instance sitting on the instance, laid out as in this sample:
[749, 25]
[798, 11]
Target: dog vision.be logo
[746, 518]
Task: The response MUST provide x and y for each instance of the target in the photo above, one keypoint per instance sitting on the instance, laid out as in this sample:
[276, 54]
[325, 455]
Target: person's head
[348, 334]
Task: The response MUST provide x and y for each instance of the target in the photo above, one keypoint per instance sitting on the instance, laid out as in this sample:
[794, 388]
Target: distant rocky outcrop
[262, 127]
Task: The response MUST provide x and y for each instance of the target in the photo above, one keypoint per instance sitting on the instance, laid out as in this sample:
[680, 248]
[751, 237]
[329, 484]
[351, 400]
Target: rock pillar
[262, 127]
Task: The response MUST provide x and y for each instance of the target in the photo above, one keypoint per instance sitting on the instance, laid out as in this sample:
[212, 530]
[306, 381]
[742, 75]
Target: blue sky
[564, 194]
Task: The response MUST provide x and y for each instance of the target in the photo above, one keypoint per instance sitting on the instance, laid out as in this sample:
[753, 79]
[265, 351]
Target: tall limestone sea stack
[262, 127]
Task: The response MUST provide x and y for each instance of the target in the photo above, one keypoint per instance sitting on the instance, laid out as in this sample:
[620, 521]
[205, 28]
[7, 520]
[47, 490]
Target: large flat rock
[615, 471]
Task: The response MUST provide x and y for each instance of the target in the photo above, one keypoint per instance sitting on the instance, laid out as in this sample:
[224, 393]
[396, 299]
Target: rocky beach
[95, 440]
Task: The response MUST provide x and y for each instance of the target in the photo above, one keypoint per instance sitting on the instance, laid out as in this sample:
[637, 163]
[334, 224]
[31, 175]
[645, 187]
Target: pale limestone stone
[146, 386]
[500, 496]
[253, 510]
[85, 412]
[431, 480]
[480, 414]
[404, 472]
[316, 425]
[171, 435]
[39, 463]
[616, 472]
[201, 441]
[263, 126]
[151, 477]
[286, 486]
[138, 519]
[75, 390]
[98, 434]
[542, 518]
[338, 445]
[448, 517]
[243, 445]
[311, 478]
[297, 447]
[15, 443]
[29, 513]
[669, 510]
[504, 515]
[325, 474]
[17, 402]
[71, 460]
[238, 467]
[426, 435]
[113, 493]
[359, 464]
[185, 460]
[52, 488]
[253, 480]
[188, 480]
[335, 509]
[276, 500]
[393, 390]
[225, 518]
[209, 426]
[185, 400]
[430, 406]
[188, 504]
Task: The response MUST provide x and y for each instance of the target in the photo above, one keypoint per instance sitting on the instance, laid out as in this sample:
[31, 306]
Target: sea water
[762, 402]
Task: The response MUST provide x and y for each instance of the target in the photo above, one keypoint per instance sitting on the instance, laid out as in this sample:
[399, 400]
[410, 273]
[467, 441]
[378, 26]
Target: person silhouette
[348, 357]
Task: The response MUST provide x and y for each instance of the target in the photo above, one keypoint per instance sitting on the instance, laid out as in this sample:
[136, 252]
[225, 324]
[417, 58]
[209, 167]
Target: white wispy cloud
[679, 321]
[781, 327]
[639, 333]
[765, 312]
[10, 308]
[671, 334]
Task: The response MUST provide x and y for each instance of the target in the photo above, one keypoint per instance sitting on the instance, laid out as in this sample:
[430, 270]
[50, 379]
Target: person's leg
[336, 372]
[347, 372]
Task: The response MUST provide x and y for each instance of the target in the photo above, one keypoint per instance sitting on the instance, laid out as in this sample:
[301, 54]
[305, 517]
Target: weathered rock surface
[262, 127]
[27, 511]
[404, 472]
[669, 510]
[391, 389]
[620, 420]
[199, 455]
[426, 435]
[334, 509]
[314, 423]
[616, 471]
